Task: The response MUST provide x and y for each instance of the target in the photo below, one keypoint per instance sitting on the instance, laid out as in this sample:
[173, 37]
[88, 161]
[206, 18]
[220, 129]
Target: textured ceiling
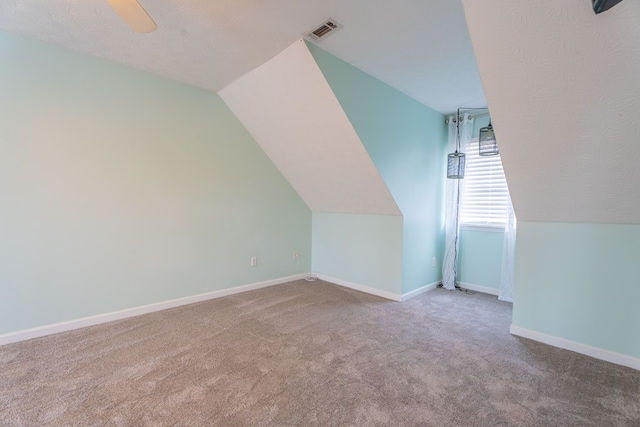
[292, 113]
[563, 87]
[420, 47]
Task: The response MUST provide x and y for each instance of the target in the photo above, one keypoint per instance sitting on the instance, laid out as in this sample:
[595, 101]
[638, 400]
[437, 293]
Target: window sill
[484, 228]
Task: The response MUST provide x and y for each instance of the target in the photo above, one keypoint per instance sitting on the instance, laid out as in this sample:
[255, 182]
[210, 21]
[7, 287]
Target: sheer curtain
[505, 292]
[454, 191]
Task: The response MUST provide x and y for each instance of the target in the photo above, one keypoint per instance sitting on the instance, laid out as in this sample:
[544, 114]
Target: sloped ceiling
[563, 86]
[421, 48]
[291, 112]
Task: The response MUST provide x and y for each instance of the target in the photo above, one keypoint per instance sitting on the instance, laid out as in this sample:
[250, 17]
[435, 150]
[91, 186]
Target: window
[486, 196]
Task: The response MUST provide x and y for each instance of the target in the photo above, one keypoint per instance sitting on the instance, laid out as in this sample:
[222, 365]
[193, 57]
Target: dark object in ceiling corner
[603, 5]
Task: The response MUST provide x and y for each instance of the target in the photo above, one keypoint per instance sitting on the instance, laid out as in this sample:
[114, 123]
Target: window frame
[476, 226]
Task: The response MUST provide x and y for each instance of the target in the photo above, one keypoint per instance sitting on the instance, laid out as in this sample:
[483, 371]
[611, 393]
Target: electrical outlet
[254, 261]
[433, 262]
[295, 256]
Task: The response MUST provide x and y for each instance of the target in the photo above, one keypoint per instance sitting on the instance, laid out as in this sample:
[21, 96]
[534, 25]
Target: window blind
[486, 196]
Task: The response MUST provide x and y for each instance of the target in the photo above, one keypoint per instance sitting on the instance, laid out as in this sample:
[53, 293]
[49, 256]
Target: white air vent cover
[328, 27]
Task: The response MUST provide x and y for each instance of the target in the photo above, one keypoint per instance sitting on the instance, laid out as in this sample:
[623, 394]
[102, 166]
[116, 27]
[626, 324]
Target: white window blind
[486, 196]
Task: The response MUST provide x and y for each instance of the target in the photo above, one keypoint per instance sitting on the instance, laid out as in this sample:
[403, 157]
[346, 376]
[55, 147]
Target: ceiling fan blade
[134, 15]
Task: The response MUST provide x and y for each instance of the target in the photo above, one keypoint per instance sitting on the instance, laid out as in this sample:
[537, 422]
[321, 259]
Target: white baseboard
[136, 311]
[361, 288]
[419, 291]
[595, 352]
[478, 288]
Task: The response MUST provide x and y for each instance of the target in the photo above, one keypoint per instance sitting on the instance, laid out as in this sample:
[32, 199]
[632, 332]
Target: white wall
[562, 86]
[293, 114]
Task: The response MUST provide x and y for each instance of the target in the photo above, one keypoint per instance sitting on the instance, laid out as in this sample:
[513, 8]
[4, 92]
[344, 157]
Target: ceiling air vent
[328, 27]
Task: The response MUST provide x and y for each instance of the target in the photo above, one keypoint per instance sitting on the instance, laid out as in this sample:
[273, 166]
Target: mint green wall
[480, 257]
[407, 142]
[363, 249]
[119, 188]
[580, 282]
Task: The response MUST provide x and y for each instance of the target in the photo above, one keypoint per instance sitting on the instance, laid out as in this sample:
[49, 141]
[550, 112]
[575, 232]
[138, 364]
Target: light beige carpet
[305, 354]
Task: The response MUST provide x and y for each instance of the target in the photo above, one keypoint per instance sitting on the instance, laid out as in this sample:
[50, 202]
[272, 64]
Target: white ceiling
[290, 110]
[420, 47]
[563, 86]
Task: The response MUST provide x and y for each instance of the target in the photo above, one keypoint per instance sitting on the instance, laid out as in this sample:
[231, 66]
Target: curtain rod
[470, 116]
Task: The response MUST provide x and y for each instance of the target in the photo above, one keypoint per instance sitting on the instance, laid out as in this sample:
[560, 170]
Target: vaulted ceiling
[563, 86]
[290, 110]
[420, 47]
[561, 82]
